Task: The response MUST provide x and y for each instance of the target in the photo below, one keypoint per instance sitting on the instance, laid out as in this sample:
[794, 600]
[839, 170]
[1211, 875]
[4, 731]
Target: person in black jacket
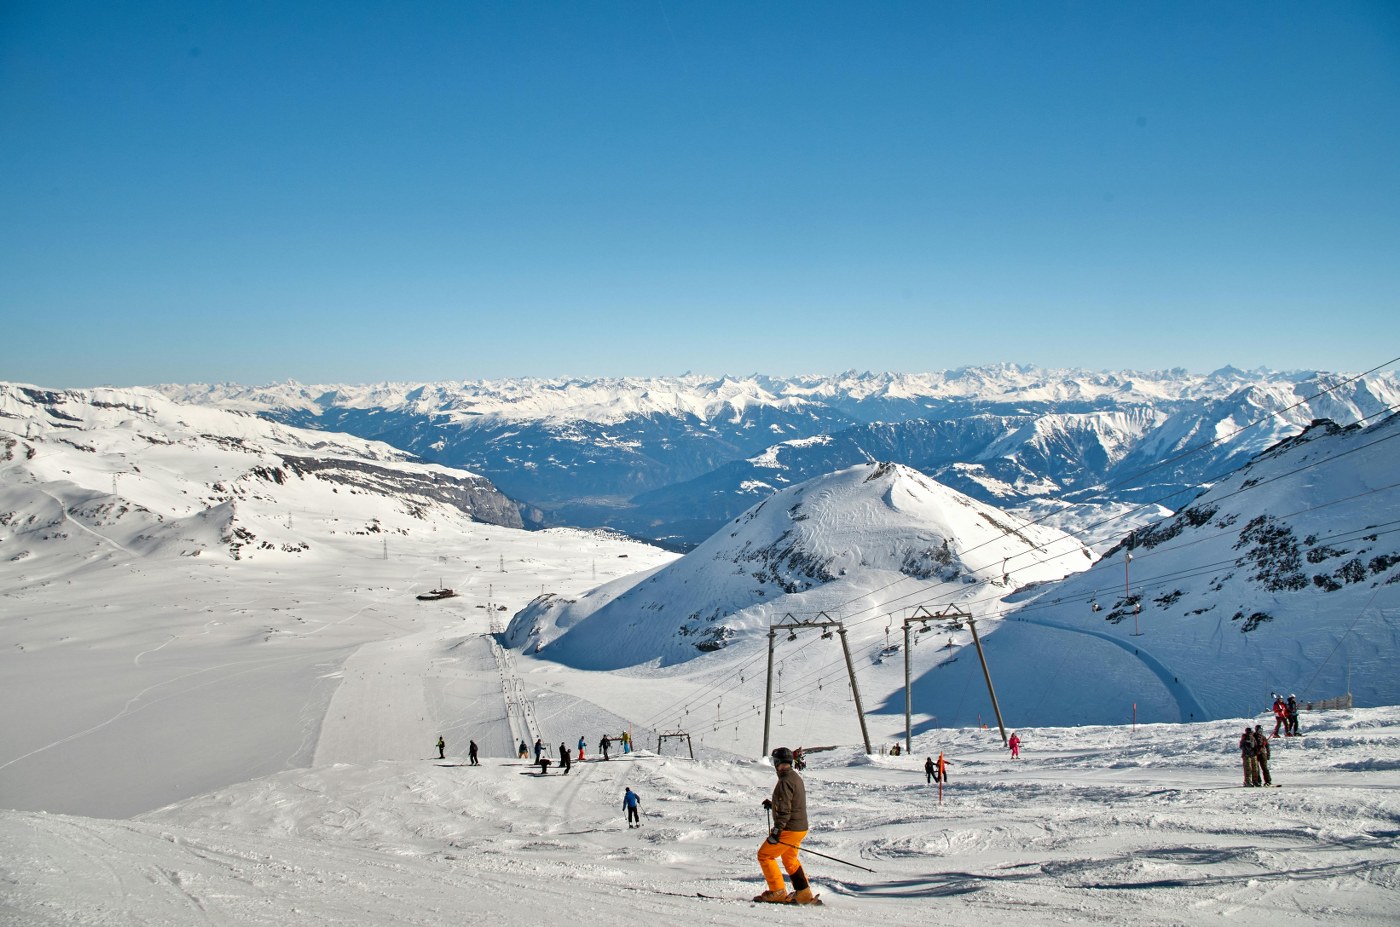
[471, 753]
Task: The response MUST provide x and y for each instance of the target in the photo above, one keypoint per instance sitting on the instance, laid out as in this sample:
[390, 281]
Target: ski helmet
[782, 755]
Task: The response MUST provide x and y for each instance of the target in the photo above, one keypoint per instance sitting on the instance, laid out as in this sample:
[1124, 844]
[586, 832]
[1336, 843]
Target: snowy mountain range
[1282, 577]
[673, 459]
[1285, 575]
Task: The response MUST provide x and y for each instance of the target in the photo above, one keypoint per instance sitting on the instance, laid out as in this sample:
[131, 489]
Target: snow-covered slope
[840, 543]
[1284, 577]
[131, 472]
[1093, 825]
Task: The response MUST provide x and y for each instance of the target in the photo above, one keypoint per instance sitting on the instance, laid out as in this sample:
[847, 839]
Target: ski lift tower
[791, 625]
[955, 616]
[675, 735]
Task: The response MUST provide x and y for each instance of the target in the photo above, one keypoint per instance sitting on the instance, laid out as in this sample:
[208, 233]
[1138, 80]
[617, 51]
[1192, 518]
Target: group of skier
[1286, 715]
[471, 751]
[1254, 743]
[1254, 754]
[544, 761]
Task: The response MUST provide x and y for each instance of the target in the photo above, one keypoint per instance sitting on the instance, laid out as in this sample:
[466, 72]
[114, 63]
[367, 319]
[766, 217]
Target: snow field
[1093, 824]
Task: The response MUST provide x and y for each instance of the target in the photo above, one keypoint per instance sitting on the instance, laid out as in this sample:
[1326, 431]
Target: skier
[799, 760]
[544, 765]
[442, 748]
[471, 753]
[1248, 750]
[789, 827]
[564, 757]
[1015, 744]
[929, 771]
[1280, 715]
[604, 745]
[942, 774]
[539, 748]
[1261, 754]
[580, 749]
[629, 805]
[626, 743]
[1292, 711]
[524, 750]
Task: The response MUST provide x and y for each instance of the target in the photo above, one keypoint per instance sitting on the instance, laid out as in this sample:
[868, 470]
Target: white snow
[204, 740]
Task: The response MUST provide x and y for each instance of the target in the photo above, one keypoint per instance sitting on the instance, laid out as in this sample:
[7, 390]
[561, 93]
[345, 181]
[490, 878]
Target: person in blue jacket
[630, 803]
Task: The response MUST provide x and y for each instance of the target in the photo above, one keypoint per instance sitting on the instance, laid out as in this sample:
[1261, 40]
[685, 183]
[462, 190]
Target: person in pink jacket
[1015, 744]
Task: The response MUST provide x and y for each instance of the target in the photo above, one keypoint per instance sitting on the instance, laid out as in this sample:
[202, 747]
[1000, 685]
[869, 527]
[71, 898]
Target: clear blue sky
[357, 191]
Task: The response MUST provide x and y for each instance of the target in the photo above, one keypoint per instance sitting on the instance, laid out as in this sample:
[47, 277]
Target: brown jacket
[789, 802]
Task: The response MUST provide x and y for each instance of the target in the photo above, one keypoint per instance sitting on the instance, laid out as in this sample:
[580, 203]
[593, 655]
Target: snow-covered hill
[673, 458]
[844, 542]
[168, 572]
[132, 472]
[1284, 577]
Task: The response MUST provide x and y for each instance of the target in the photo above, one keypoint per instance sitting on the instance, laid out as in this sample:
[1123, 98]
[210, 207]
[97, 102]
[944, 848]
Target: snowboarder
[1248, 749]
[442, 748]
[524, 750]
[929, 771]
[799, 759]
[580, 749]
[1280, 715]
[789, 826]
[630, 802]
[1292, 712]
[1261, 755]
[471, 753]
[626, 743]
[942, 774]
[1015, 744]
[604, 745]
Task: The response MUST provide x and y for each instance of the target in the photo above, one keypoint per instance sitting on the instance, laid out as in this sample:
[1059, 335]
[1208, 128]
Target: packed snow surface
[1107, 825]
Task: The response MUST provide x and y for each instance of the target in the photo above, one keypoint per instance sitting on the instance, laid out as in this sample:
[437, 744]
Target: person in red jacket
[1280, 715]
[1015, 744]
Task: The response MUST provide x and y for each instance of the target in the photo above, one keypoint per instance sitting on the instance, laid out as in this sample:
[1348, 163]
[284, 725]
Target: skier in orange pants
[789, 807]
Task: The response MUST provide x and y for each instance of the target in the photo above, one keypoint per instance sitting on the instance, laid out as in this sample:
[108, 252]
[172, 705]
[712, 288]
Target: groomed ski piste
[1092, 825]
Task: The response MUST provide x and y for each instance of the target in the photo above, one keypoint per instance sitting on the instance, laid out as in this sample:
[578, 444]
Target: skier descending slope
[789, 807]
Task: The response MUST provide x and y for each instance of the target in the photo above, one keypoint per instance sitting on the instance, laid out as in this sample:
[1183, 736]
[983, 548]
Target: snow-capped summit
[843, 543]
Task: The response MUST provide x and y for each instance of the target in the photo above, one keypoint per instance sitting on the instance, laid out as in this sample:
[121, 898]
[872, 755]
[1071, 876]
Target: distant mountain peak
[810, 547]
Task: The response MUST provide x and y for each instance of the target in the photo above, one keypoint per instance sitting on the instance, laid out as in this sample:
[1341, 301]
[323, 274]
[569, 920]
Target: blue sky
[356, 192]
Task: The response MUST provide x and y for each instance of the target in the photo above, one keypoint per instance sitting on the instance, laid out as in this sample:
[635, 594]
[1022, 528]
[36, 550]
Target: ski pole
[823, 856]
